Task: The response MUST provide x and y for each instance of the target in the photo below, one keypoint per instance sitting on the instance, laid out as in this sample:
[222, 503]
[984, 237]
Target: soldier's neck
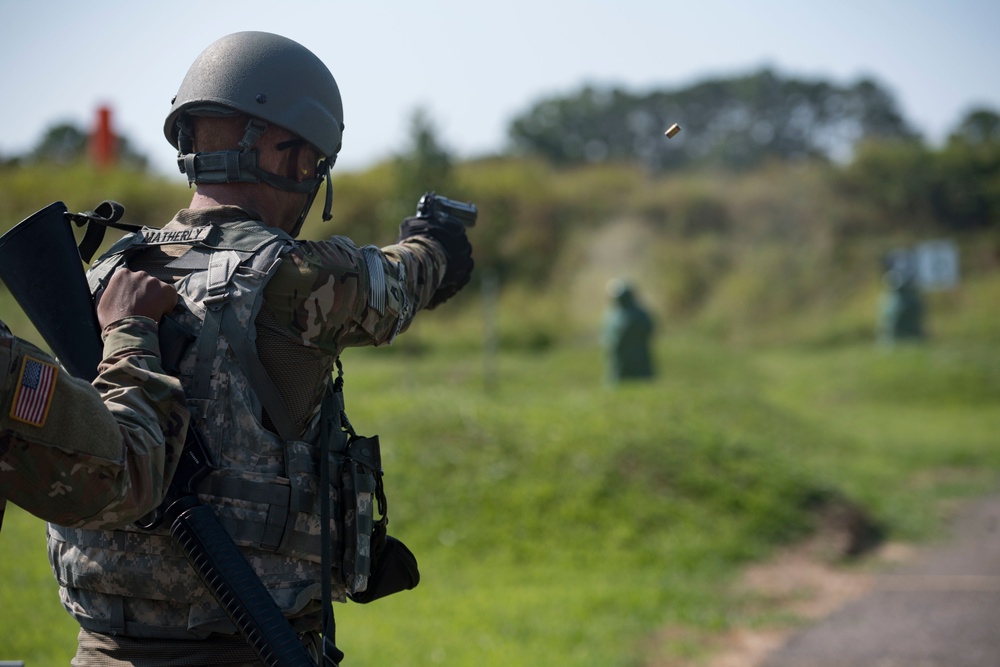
[271, 210]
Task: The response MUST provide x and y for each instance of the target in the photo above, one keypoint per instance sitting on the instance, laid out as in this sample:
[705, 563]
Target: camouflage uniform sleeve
[332, 294]
[102, 455]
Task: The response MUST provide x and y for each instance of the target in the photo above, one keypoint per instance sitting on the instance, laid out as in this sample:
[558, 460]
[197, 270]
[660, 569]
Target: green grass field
[562, 522]
[559, 521]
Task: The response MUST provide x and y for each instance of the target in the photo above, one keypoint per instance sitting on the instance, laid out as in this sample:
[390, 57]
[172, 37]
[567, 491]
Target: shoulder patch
[33, 396]
[376, 278]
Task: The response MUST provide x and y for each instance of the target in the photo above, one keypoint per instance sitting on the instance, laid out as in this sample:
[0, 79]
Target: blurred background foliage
[570, 524]
[765, 218]
[764, 223]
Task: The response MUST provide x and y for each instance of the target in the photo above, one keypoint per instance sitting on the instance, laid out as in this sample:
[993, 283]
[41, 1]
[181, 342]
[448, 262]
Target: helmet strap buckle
[255, 128]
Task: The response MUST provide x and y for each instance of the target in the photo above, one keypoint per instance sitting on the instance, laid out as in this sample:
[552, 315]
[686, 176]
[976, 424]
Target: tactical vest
[265, 489]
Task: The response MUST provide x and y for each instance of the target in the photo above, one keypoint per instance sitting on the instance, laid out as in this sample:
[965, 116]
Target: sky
[475, 66]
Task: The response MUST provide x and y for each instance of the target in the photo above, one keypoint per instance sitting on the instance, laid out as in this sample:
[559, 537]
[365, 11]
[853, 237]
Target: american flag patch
[376, 278]
[33, 396]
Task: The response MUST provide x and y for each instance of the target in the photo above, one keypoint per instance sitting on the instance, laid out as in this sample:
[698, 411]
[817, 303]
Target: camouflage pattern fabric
[327, 296]
[319, 298]
[332, 295]
[101, 456]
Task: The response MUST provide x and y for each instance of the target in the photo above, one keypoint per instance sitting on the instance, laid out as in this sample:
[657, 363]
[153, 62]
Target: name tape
[167, 236]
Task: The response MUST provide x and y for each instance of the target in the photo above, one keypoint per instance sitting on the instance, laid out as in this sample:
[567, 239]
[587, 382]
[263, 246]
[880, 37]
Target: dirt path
[800, 584]
[937, 606]
[940, 609]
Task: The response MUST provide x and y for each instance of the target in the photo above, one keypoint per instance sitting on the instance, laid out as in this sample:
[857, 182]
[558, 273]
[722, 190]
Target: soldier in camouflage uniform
[258, 124]
[93, 456]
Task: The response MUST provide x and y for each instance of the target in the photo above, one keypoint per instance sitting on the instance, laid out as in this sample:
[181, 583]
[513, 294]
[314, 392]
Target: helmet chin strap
[243, 166]
[324, 172]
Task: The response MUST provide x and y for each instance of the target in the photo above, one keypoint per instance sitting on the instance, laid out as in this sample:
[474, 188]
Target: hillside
[787, 253]
[561, 521]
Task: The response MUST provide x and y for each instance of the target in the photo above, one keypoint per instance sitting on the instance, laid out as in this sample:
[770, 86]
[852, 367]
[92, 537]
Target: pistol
[441, 209]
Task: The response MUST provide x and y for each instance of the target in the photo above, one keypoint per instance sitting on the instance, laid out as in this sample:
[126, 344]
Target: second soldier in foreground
[93, 456]
[258, 124]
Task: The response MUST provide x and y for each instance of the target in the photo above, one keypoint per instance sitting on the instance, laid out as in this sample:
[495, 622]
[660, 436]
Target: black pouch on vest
[394, 569]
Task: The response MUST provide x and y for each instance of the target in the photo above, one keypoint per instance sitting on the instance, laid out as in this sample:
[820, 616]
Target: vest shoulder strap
[263, 386]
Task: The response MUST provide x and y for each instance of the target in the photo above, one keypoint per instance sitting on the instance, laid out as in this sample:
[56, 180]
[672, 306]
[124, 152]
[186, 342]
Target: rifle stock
[41, 266]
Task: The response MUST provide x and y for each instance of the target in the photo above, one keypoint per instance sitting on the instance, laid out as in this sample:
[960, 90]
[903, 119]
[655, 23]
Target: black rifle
[42, 267]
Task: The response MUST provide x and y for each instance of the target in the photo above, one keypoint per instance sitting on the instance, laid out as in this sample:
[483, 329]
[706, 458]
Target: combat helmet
[272, 79]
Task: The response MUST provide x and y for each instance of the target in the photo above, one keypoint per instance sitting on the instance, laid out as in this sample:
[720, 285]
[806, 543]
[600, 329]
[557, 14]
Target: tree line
[68, 143]
[735, 124]
[742, 123]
